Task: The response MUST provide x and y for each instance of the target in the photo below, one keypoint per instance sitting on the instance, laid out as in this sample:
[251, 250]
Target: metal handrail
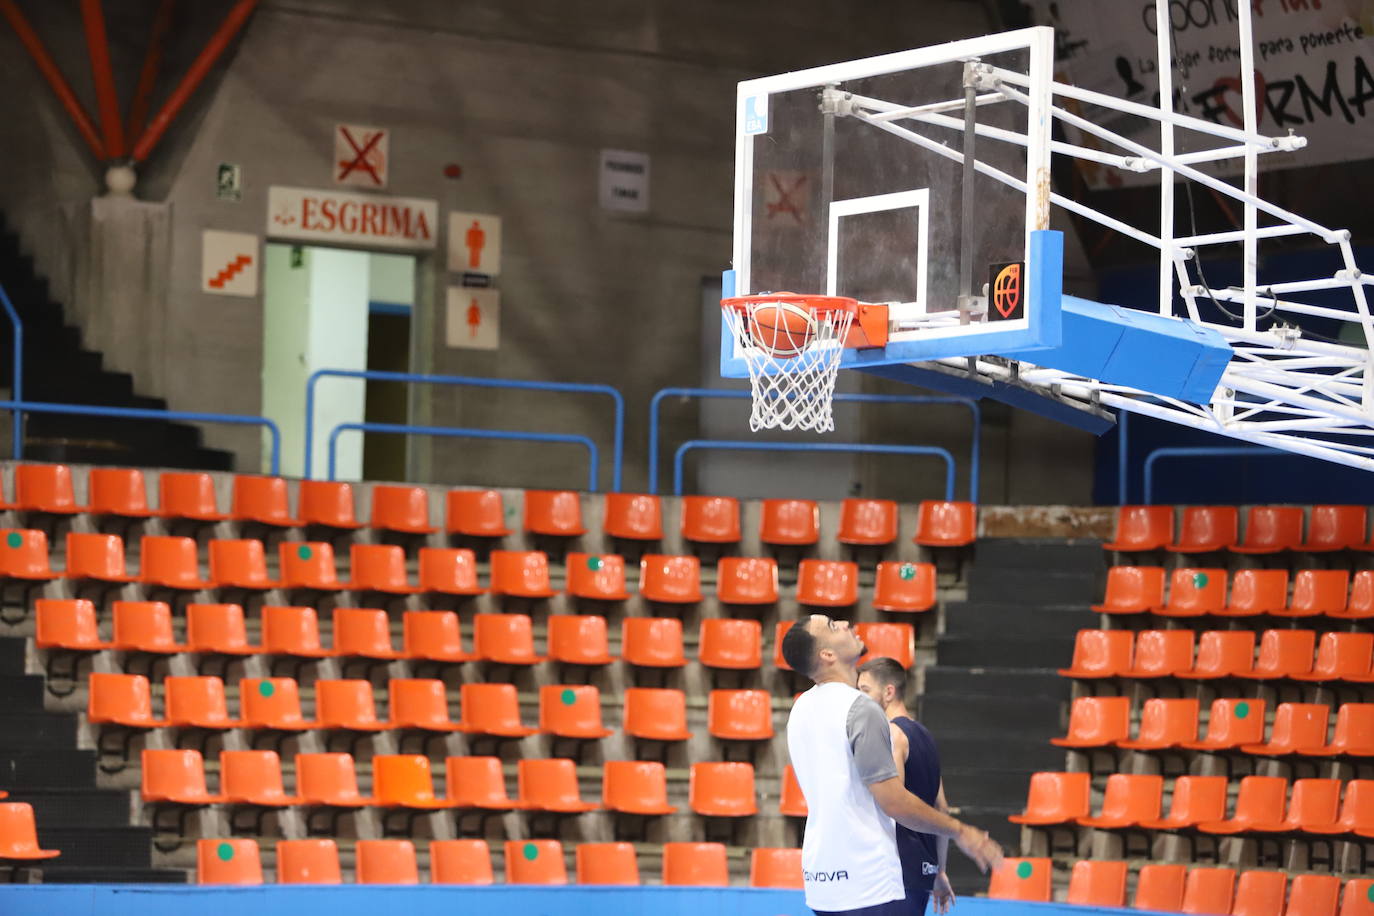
[17, 382]
[726, 393]
[141, 413]
[594, 454]
[1198, 452]
[765, 446]
[469, 381]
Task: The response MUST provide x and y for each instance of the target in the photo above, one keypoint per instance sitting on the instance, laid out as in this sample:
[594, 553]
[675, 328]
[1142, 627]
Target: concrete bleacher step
[1041, 554]
[1005, 652]
[1003, 619]
[58, 874]
[12, 651]
[971, 752]
[71, 808]
[37, 730]
[47, 769]
[987, 786]
[100, 847]
[942, 680]
[22, 692]
[981, 715]
[1034, 586]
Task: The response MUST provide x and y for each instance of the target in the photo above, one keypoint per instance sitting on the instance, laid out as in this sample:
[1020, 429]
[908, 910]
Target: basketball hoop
[792, 345]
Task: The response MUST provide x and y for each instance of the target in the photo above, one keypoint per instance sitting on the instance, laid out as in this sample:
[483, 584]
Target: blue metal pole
[1198, 452]
[764, 446]
[17, 383]
[1122, 460]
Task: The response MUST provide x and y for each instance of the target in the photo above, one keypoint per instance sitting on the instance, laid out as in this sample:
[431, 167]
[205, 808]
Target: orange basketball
[781, 328]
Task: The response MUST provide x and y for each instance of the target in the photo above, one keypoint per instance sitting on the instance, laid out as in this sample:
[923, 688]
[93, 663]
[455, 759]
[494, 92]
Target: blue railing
[17, 380]
[618, 449]
[140, 413]
[1199, 452]
[732, 445]
[734, 394]
[593, 471]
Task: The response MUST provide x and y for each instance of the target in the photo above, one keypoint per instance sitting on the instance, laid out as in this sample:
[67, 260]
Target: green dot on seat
[225, 851]
[303, 551]
[14, 539]
[1242, 710]
[1199, 580]
[1025, 870]
[907, 571]
[266, 688]
[594, 563]
[530, 852]
[1369, 893]
[568, 696]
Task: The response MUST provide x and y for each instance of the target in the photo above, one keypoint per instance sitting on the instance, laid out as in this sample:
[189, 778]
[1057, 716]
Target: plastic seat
[69, 623]
[1196, 800]
[779, 631]
[197, 702]
[1142, 528]
[1223, 653]
[1133, 590]
[1194, 592]
[144, 626]
[1160, 888]
[1259, 807]
[904, 587]
[607, 864]
[571, 711]
[476, 513]
[1284, 654]
[1314, 895]
[1255, 592]
[656, 713]
[1209, 891]
[710, 519]
[117, 491]
[775, 868]
[1354, 732]
[740, 715]
[217, 629]
[188, 495]
[1315, 807]
[228, 861]
[309, 565]
[97, 557]
[722, 790]
[1165, 723]
[460, 862]
[379, 568]
[477, 782]
[731, 644]
[554, 512]
[943, 523]
[893, 640]
[550, 785]
[747, 580]
[1271, 529]
[405, 781]
[329, 780]
[293, 631]
[45, 488]
[240, 564]
[1131, 799]
[433, 636]
[827, 583]
[24, 555]
[1097, 722]
[1341, 657]
[670, 579]
[1162, 653]
[400, 509]
[1055, 798]
[635, 787]
[1298, 728]
[121, 699]
[328, 503]
[695, 865]
[535, 862]
[1360, 605]
[520, 573]
[272, 702]
[1021, 879]
[1334, 528]
[579, 640]
[1260, 893]
[597, 576]
[176, 777]
[492, 709]
[308, 862]
[171, 562]
[790, 522]
[363, 633]
[420, 703]
[868, 522]
[253, 778]
[632, 516]
[1203, 529]
[263, 500]
[1100, 653]
[347, 705]
[1317, 592]
[652, 642]
[448, 571]
[791, 801]
[386, 862]
[1230, 724]
[1355, 816]
[1358, 897]
[1095, 883]
[506, 639]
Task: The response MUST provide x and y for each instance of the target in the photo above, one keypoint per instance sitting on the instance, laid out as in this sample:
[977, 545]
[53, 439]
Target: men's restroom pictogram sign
[474, 243]
[361, 155]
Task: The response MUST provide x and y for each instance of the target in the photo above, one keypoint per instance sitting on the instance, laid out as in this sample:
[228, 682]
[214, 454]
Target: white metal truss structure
[1283, 388]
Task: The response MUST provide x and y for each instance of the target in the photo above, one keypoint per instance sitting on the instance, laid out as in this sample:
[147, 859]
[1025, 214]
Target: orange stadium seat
[633, 517]
[904, 587]
[1162, 653]
[1317, 592]
[419, 703]
[362, 632]
[569, 711]
[1100, 653]
[272, 702]
[120, 699]
[942, 523]
[253, 778]
[45, 488]
[308, 565]
[347, 705]
[1165, 723]
[312, 861]
[1223, 653]
[652, 642]
[828, 583]
[775, 868]
[1283, 654]
[477, 782]
[188, 495]
[460, 862]
[1021, 879]
[379, 568]
[1160, 887]
[70, 623]
[789, 522]
[1260, 893]
[1209, 890]
[1314, 895]
[1097, 722]
[1204, 529]
[1255, 592]
[791, 801]
[506, 639]
[1360, 605]
[1271, 529]
[893, 640]
[327, 503]
[1055, 798]
[578, 639]
[1097, 883]
[476, 513]
[868, 522]
[731, 644]
[1194, 592]
[329, 780]
[1334, 528]
[635, 787]
[1196, 800]
[1315, 807]
[554, 512]
[434, 636]
[293, 631]
[550, 785]
[217, 629]
[607, 864]
[176, 777]
[1142, 528]
[670, 579]
[1356, 815]
[779, 631]
[1131, 799]
[710, 519]
[405, 781]
[24, 555]
[740, 715]
[1133, 590]
[695, 864]
[97, 557]
[400, 509]
[520, 573]
[656, 714]
[240, 564]
[263, 500]
[1231, 723]
[492, 709]
[386, 862]
[1354, 732]
[228, 861]
[597, 576]
[448, 571]
[747, 580]
[722, 790]
[1341, 657]
[1358, 897]
[171, 562]
[197, 702]
[535, 862]
[144, 626]
[1259, 807]
[117, 491]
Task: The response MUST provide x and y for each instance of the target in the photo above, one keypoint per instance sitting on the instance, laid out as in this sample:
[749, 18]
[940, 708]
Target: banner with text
[316, 214]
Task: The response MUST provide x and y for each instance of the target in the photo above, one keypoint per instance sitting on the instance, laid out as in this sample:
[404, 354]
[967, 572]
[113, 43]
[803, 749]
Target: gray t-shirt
[871, 741]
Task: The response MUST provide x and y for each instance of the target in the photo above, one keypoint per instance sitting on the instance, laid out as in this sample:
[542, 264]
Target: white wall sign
[624, 181]
[474, 318]
[362, 219]
[229, 263]
[474, 243]
[361, 155]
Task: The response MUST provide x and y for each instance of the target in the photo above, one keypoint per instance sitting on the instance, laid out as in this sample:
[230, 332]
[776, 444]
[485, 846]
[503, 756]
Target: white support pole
[1247, 92]
[1165, 69]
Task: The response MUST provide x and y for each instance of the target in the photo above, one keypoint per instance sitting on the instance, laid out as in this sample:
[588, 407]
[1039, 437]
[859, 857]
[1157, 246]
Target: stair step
[61, 874]
[1040, 554]
[12, 650]
[1029, 586]
[1009, 652]
[984, 787]
[941, 680]
[22, 692]
[99, 847]
[77, 808]
[992, 751]
[1014, 715]
[984, 618]
[58, 769]
[39, 730]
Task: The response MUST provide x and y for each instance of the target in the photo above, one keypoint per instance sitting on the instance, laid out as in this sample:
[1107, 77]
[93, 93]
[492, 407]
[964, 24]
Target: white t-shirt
[839, 743]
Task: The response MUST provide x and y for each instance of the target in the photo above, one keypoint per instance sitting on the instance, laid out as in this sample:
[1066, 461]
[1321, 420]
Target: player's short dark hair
[887, 672]
[799, 647]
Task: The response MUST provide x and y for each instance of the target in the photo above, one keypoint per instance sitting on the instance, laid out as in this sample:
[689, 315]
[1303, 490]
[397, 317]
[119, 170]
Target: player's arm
[900, 746]
[942, 844]
[941, 894]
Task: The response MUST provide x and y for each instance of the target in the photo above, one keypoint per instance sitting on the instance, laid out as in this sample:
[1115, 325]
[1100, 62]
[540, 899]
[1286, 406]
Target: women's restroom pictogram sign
[474, 243]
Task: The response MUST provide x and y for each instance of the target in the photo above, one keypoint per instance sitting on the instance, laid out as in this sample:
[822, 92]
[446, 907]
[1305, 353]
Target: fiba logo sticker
[1006, 291]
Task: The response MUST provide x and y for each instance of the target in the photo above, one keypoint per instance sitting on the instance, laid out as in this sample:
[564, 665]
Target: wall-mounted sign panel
[320, 215]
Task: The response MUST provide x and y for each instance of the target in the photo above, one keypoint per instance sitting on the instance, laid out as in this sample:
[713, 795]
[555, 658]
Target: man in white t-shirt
[841, 751]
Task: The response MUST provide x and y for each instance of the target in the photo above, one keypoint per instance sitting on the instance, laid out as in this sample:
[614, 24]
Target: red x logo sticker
[782, 200]
[363, 157]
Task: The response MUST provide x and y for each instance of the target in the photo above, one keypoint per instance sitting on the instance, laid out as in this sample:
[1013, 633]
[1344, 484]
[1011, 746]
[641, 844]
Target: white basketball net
[792, 392]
